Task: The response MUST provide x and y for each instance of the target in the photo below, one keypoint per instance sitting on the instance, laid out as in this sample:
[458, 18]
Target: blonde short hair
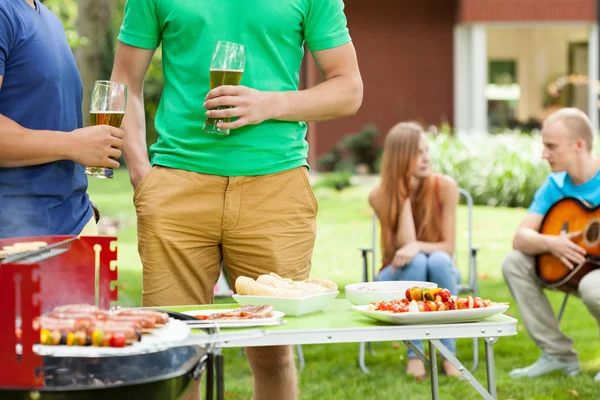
[576, 121]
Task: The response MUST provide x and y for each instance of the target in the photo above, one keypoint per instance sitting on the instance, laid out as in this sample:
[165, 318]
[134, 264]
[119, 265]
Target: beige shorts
[188, 223]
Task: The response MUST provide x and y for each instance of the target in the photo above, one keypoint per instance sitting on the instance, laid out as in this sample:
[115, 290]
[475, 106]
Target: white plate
[160, 339]
[367, 292]
[433, 317]
[289, 305]
[231, 323]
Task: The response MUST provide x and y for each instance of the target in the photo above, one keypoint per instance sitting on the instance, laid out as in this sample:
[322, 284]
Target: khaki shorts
[188, 223]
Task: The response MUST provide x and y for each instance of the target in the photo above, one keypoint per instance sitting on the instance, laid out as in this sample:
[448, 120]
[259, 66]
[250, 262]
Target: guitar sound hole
[593, 232]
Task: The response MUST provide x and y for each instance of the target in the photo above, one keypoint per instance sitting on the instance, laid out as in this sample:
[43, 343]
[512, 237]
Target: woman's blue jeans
[436, 267]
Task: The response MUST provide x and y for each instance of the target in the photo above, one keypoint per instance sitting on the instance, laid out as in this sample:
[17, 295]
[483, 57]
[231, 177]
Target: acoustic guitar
[570, 215]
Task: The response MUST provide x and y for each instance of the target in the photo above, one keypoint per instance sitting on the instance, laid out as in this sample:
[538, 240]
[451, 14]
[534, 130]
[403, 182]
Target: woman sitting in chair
[417, 213]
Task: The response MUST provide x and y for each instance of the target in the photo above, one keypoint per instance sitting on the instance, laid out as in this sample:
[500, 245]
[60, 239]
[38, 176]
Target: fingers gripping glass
[107, 107]
[226, 68]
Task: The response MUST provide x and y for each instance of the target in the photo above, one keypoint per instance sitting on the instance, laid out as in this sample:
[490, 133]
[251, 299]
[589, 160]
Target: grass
[344, 226]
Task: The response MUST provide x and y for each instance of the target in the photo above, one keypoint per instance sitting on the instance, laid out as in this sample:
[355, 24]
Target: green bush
[352, 150]
[336, 180]
[498, 170]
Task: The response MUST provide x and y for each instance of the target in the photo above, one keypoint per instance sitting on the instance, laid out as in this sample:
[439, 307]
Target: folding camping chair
[469, 287]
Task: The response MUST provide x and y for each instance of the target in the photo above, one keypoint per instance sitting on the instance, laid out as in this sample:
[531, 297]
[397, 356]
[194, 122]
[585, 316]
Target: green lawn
[344, 225]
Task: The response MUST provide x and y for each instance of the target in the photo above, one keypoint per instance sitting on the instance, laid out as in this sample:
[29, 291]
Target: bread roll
[274, 275]
[310, 288]
[241, 284]
[258, 289]
[326, 283]
[273, 282]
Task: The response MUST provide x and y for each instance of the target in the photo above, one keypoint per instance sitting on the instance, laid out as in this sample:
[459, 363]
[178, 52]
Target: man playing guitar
[568, 138]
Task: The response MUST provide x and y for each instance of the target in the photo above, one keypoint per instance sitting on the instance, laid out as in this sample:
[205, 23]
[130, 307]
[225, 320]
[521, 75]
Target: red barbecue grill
[67, 271]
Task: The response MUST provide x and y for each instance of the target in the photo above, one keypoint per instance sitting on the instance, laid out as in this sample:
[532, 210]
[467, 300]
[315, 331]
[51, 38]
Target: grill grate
[41, 254]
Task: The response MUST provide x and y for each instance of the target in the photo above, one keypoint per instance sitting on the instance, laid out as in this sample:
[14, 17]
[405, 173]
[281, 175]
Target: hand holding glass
[107, 107]
[226, 68]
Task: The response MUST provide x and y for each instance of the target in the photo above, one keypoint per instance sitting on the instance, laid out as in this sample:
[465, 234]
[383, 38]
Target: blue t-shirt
[41, 90]
[558, 186]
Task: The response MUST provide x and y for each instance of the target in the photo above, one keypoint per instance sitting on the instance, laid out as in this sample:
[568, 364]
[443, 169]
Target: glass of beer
[107, 107]
[226, 68]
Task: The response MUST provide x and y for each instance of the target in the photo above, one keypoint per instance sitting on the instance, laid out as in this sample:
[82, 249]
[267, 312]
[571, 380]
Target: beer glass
[107, 107]
[226, 68]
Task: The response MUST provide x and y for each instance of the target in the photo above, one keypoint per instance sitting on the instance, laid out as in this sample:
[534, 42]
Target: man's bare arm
[527, 237]
[21, 147]
[130, 67]
[339, 95]
[528, 240]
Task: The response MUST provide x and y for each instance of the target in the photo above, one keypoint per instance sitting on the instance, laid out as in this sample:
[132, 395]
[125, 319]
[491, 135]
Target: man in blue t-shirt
[568, 140]
[43, 147]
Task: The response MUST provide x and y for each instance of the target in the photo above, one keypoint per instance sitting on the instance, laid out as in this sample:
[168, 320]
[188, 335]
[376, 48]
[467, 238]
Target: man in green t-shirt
[243, 199]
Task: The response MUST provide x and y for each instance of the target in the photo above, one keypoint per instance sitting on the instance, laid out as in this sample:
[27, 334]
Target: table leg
[220, 364]
[489, 365]
[435, 392]
[432, 362]
[417, 352]
[210, 378]
[361, 358]
[464, 371]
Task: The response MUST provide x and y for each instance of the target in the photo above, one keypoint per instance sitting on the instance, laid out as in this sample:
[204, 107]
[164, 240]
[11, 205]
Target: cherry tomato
[444, 294]
[117, 340]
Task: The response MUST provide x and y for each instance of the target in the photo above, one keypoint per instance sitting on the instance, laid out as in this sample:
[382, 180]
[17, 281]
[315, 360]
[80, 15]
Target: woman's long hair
[400, 156]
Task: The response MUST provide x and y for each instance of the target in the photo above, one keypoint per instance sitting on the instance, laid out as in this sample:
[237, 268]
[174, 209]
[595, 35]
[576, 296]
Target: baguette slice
[273, 282]
[326, 283]
[310, 288]
[241, 284]
[258, 289]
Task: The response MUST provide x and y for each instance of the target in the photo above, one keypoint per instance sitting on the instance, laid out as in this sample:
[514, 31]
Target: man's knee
[514, 263]
[271, 359]
[588, 290]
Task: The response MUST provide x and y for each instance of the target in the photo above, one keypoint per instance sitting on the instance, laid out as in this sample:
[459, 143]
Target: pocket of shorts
[140, 187]
[311, 194]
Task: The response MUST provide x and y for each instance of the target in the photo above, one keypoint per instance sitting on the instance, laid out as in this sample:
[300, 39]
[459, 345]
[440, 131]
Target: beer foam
[106, 112]
[227, 70]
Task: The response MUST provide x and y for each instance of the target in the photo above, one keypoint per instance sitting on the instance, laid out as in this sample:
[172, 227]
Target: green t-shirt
[273, 32]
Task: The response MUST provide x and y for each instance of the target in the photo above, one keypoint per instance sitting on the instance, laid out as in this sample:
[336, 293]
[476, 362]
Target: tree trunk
[93, 24]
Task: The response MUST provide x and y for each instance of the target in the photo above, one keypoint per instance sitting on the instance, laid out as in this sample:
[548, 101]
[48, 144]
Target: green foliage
[67, 11]
[337, 180]
[354, 149]
[498, 170]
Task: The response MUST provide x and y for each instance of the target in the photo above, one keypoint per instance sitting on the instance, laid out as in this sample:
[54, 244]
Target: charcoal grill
[74, 270]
